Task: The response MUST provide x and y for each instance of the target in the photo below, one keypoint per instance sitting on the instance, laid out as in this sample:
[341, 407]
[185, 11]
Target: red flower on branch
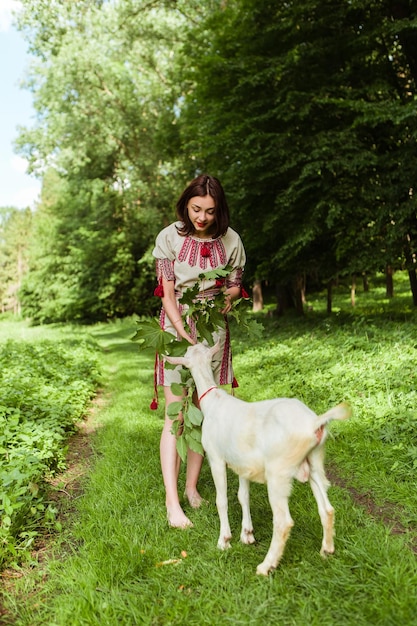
[244, 293]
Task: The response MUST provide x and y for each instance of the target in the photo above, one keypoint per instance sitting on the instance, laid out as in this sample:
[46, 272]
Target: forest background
[305, 111]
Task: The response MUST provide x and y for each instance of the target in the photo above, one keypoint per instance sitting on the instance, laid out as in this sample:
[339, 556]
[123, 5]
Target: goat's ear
[214, 349]
[175, 360]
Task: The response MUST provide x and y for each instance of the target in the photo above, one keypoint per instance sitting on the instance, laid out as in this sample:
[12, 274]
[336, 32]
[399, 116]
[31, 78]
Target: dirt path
[388, 513]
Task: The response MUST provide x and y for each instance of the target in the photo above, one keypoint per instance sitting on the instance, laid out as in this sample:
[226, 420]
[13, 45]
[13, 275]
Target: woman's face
[202, 213]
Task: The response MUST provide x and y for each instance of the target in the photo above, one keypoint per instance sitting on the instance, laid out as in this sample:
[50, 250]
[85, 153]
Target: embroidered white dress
[183, 259]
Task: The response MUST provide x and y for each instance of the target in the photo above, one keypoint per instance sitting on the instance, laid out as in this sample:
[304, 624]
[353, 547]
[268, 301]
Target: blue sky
[17, 188]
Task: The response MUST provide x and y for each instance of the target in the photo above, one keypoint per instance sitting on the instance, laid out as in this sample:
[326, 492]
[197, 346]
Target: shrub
[45, 389]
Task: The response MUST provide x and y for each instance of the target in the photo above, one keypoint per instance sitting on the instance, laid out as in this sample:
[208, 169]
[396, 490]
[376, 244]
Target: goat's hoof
[247, 537]
[224, 544]
[264, 569]
[325, 552]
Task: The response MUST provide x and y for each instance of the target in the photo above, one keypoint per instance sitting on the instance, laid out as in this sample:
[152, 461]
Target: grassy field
[116, 562]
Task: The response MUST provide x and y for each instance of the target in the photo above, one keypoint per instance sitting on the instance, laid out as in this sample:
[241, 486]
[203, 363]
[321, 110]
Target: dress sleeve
[165, 269]
[164, 244]
[164, 253]
[237, 260]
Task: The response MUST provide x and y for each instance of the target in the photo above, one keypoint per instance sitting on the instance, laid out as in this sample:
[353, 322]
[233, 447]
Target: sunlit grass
[119, 563]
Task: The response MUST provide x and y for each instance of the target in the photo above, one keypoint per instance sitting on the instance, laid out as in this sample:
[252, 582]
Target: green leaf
[6, 522]
[255, 330]
[186, 377]
[187, 423]
[195, 415]
[176, 427]
[204, 332]
[178, 348]
[194, 445]
[182, 448]
[217, 318]
[220, 272]
[174, 409]
[151, 336]
[195, 434]
[190, 295]
[177, 389]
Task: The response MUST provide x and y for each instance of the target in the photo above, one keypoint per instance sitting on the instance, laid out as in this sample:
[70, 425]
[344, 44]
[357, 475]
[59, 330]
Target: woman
[200, 241]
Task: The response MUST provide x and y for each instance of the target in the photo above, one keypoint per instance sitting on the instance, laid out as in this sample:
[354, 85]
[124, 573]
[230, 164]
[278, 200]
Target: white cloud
[7, 9]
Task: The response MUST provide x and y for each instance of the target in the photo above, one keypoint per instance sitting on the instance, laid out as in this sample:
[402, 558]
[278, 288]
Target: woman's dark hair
[202, 186]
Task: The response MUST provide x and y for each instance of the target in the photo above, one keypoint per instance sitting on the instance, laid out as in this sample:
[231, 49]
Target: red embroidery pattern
[165, 268]
[203, 253]
[226, 360]
[235, 278]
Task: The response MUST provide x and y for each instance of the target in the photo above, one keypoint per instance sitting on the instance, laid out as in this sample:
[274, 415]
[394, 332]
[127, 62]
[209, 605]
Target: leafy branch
[205, 312]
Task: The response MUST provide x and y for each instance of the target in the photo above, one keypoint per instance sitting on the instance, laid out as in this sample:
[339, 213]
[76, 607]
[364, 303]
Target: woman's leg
[194, 463]
[170, 465]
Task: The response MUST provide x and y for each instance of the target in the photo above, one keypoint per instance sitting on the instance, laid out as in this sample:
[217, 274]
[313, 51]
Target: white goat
[271, 441]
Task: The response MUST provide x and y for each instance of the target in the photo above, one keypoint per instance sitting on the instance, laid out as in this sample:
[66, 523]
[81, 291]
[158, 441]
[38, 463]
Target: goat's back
[250, 436]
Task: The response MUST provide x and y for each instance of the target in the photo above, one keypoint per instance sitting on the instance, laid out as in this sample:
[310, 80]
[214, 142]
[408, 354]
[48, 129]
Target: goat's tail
[340, 412]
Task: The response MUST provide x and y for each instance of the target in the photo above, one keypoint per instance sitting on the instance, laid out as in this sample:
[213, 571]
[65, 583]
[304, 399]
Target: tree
[106, 127]
[300, 107]
[15, 229]
[305, 111]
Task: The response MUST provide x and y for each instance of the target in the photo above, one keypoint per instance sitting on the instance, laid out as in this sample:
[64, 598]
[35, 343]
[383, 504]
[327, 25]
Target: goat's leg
[319, 486]
[218, 470]
[279, 489]
[246, 536]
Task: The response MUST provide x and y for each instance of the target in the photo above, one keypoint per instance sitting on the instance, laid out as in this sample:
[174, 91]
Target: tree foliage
[15, 227]
[305, 111]
[103, 110]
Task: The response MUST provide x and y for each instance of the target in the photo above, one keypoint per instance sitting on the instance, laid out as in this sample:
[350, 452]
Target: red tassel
[159, 290]
[205, 251]
[154, 404]
[244, 293]
[234, 383]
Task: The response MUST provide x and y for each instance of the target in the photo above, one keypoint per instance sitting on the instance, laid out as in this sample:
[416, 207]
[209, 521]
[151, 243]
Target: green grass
[106, 567]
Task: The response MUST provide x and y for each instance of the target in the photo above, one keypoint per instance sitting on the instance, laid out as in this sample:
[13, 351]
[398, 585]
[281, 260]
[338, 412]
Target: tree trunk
[411, 260]
[365, 282]
[284, 300]
[257, 297]
[20, 273]
[389, 274]
[353, 290]
[329, 297]
[413, 284]
[299, 293]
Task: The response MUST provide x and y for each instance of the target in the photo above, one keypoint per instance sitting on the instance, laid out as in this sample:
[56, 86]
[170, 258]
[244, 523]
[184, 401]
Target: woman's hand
[228, 303]
[229, 296]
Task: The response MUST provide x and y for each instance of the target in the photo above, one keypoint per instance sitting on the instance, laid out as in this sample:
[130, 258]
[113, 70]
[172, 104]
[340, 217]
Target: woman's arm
[232, 293]
[169, 302]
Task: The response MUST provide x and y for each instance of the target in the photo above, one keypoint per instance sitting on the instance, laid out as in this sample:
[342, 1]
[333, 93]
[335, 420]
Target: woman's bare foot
[177, 518]
[194, 498]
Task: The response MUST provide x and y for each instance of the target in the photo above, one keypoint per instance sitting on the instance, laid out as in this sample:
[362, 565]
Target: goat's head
[198, 353]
